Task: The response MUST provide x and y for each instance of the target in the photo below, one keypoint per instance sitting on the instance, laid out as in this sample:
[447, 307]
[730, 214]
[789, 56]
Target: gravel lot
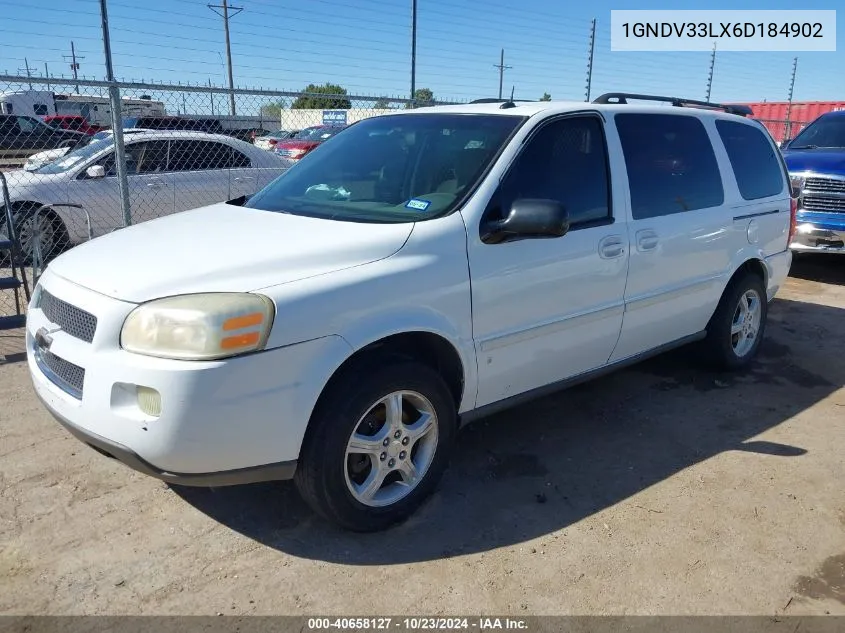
[661, 489]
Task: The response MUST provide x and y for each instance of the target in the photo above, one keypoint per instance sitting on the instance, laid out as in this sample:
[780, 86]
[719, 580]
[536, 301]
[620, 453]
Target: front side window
[670, 163]
[40, 109]
[565, 161]
[755, 164]
[401, 168]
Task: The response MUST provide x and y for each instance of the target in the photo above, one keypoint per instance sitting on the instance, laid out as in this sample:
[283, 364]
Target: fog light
[149, 401]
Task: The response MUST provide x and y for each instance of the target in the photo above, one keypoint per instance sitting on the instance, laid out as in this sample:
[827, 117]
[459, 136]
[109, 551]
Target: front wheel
[378, 443]
[736, 329]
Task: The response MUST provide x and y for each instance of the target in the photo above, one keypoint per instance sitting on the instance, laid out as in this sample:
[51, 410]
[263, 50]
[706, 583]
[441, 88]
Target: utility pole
[502, 68]
[226, 15]
[710, 74]
[116, 119]
[788, 128]
[590, 60]
[74, 65]
[47, 75]
[211, 95]
[28, 72]
[413, 50]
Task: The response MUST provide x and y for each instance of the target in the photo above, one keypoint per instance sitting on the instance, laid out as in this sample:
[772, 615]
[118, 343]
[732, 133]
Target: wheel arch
[430, 348]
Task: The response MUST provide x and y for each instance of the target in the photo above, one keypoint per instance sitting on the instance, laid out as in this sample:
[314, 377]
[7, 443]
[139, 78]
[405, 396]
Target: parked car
[22, 136]
[168, 172]
[210, 126]
[247, 134]
[269, 140]
[415, 272]
[73, 122]
[816, 162]
[304, 141]
[48, 156]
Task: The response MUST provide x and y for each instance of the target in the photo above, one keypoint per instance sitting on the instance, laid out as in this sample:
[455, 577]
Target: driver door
[547, 309]
[150, 187]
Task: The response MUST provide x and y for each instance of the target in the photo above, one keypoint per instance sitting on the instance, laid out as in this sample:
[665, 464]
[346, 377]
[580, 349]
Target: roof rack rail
[502, 101]
[622, 98]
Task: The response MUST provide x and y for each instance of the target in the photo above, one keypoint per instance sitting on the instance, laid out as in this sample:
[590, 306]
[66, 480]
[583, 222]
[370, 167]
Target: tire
[54, 236]
[333, 477]
[724, 347]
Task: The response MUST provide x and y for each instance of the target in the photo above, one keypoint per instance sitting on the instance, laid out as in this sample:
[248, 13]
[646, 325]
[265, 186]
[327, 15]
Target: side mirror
[528, 218]
[96, 171]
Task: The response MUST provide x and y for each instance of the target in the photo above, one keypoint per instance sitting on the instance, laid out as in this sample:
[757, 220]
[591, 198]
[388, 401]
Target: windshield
[315, 133]
[824, 132]
[76, 157]
[391, 168]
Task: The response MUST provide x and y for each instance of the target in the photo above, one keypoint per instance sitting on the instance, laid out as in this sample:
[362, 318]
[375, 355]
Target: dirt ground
[661, 489]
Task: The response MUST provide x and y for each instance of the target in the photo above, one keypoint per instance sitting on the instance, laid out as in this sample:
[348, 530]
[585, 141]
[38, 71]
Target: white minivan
[415, 272]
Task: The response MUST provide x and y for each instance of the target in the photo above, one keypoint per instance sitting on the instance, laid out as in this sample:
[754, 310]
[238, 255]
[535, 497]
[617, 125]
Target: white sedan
[168, 172]
[40, 159]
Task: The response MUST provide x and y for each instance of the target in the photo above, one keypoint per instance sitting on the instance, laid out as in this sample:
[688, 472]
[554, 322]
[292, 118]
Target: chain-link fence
[782, 129]
[183, 148]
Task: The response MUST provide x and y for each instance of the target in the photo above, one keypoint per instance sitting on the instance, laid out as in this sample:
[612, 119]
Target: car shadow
[546, 465]
[828, 269]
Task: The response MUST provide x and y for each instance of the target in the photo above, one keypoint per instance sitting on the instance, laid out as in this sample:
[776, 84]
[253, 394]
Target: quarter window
[566, 161]
[670, 162]
[240, 159]
[757, 168]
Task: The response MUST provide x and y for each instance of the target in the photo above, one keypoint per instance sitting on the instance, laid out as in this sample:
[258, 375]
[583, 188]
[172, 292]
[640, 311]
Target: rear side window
[40, 109]
[670, 162]
[756, 166]
[199, 155]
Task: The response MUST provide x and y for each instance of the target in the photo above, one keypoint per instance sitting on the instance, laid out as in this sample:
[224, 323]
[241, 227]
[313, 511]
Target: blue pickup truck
[816, 162]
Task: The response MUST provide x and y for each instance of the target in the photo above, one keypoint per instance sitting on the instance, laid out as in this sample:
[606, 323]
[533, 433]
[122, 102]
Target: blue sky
[364, 45]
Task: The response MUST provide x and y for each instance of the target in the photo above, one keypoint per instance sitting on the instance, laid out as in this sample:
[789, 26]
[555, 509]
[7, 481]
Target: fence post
[592, 46]
[788, 127]
[116, 120]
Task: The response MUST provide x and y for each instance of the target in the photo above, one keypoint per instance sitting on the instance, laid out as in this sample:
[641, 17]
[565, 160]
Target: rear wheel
[378, 443]
[736, 329]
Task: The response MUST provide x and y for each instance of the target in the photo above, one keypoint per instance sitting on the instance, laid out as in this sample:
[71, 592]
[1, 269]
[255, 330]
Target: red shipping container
[803, 111]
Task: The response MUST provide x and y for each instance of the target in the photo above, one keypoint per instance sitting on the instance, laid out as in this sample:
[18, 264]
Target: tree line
[330, 96]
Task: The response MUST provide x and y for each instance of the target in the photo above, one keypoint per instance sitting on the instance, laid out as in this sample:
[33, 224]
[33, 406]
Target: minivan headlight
[199, 326]
[797, 183]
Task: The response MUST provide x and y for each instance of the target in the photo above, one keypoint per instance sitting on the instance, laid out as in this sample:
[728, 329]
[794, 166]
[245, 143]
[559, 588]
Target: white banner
[669, 30]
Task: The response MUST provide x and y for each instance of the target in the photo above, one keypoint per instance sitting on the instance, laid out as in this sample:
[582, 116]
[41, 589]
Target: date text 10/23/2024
[417, 624]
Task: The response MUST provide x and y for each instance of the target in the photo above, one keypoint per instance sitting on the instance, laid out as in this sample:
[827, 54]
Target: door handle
[611, 247]
[156, 185]
[240, 178]
[647, 240]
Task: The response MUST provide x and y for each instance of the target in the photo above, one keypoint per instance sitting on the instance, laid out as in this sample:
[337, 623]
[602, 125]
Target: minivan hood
[829, 160]
[223, 248]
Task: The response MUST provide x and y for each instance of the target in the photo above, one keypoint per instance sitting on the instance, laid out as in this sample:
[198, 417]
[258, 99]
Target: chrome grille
[64, 374]
[75, 321]
[825, 185]
[831, 204]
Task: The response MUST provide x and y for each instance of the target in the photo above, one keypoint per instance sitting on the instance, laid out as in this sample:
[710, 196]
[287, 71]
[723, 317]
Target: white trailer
[97, 110]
